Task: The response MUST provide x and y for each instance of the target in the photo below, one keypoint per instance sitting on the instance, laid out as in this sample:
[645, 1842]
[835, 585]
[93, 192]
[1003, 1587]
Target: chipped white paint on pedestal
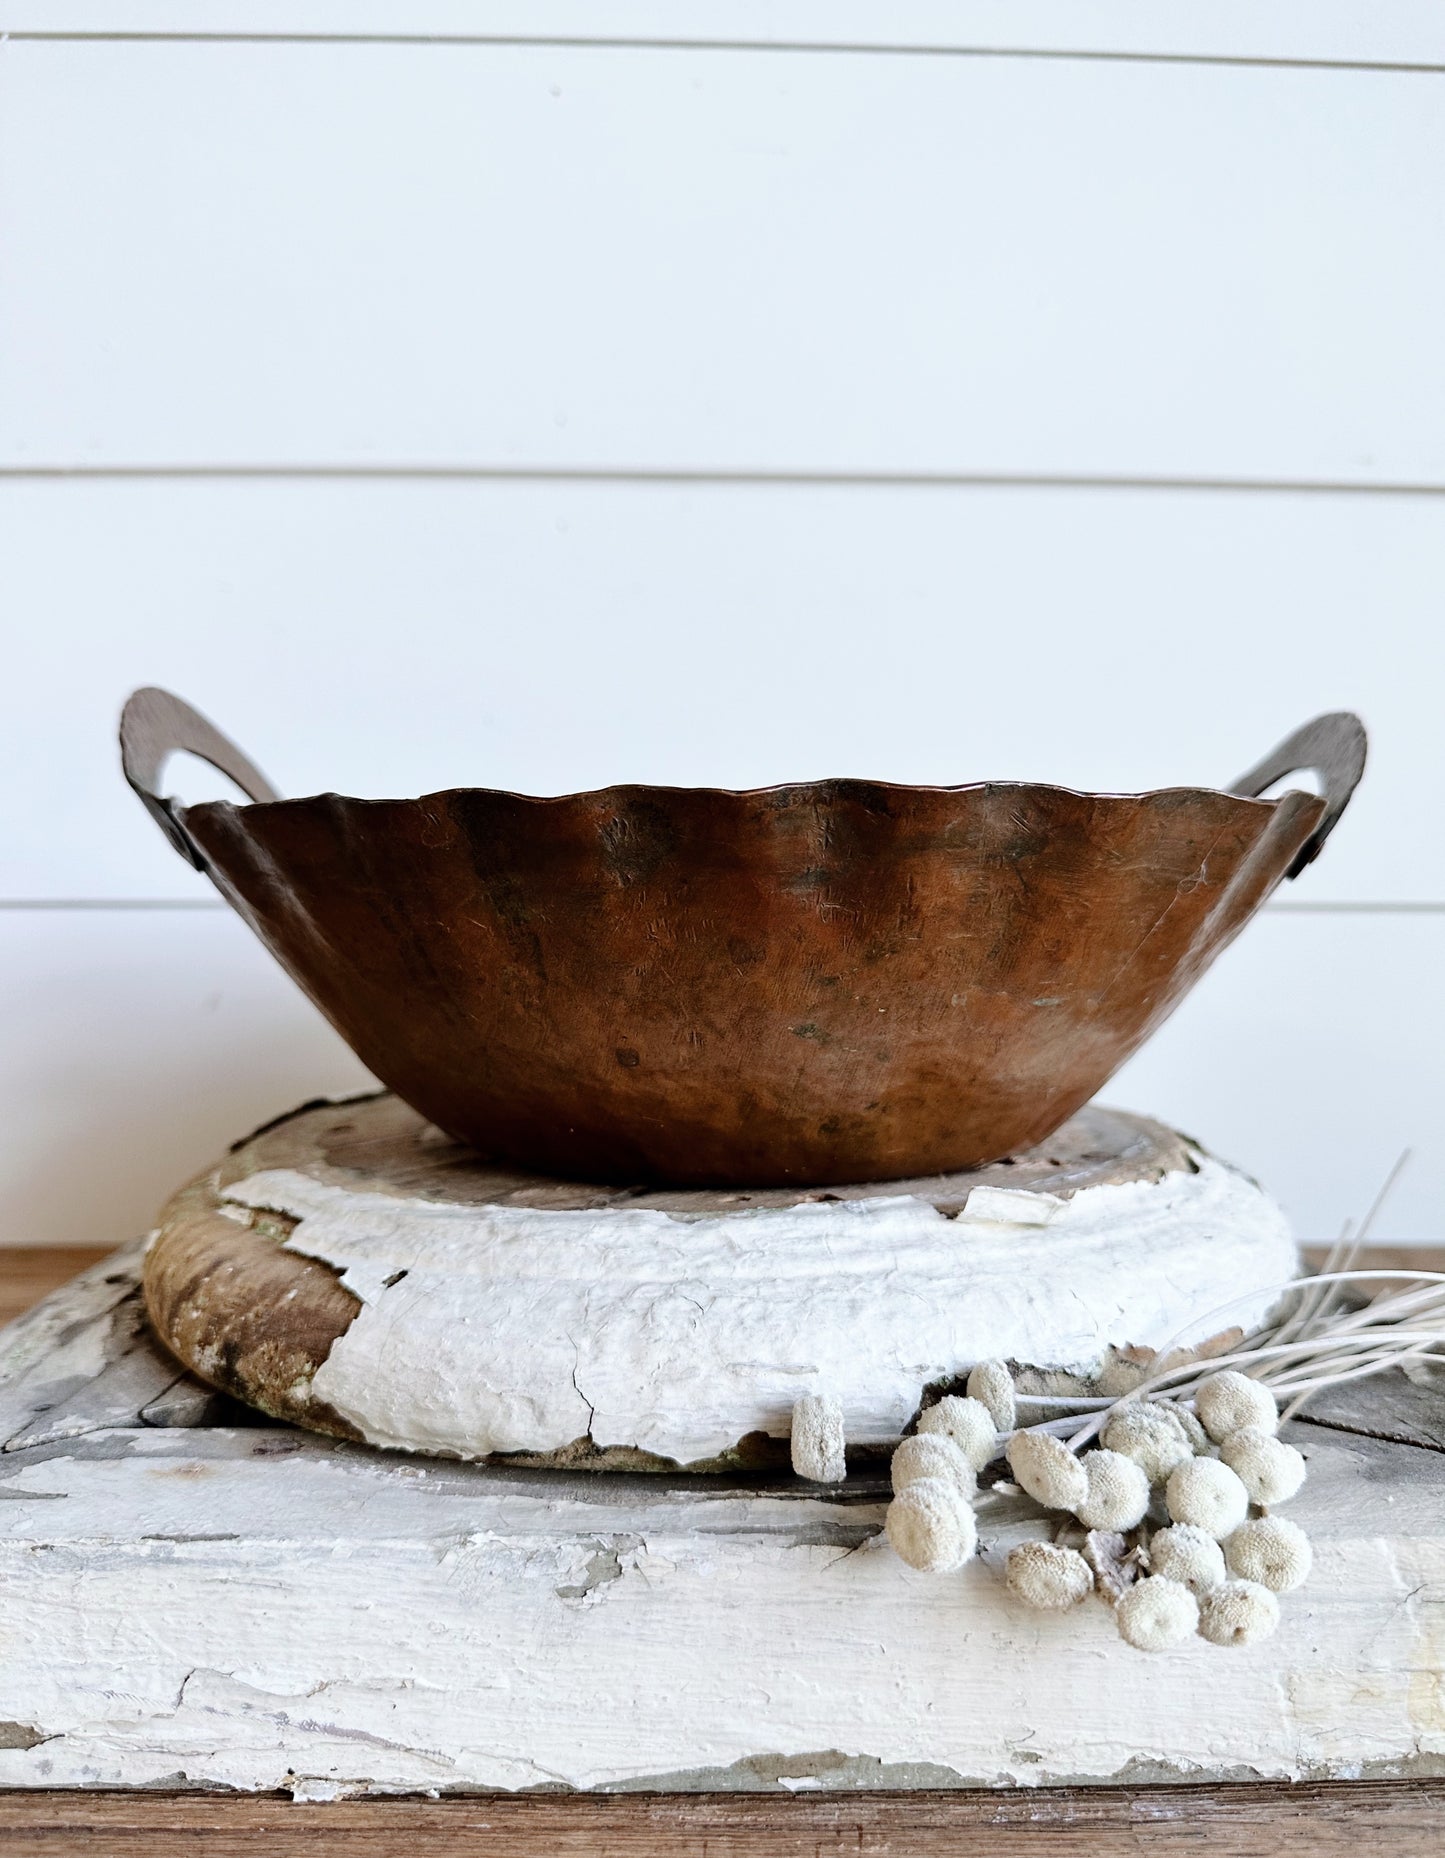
[254, 1607]
[498, 1328]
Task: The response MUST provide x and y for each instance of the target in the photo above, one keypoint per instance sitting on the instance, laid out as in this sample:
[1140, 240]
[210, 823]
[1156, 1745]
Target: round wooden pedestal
[351, 1269]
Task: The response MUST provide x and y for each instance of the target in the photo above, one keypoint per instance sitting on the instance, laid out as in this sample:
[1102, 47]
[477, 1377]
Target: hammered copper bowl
[840, 981]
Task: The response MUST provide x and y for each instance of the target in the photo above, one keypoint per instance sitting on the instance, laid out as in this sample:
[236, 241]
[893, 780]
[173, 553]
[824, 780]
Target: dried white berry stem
[1361, 1342]
[1318, 1292]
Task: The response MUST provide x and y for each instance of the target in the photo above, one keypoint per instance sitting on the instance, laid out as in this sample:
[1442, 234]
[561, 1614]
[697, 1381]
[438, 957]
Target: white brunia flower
[992, 1385]
[1238, 1613]
[967, 1422]
[1188, 1554]
[1230, 1401]
[1271, 1551]
[1044, 1575]
[1151, 1435]
[931, 1527]
[932, 1454]
[1118, 1493]
[1156, 1613]
[1048, 1471]
[1209, 1495]
[1270, 1470]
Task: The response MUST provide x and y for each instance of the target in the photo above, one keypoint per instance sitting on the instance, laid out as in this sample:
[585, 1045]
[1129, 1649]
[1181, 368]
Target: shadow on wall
[1312, 1057]
[139, 1044]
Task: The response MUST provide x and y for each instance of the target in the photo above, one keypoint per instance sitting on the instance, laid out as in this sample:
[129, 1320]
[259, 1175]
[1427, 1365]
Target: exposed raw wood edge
[66, 1333]
[85, 1361]
[1383, 1257]
[683, 1345]
[1388, 1819]
[1403, 34]
[30, 1272]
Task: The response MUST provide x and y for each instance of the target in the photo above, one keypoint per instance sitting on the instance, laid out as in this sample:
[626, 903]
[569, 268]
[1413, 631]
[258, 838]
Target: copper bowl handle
[154, 725]
[1334, 747]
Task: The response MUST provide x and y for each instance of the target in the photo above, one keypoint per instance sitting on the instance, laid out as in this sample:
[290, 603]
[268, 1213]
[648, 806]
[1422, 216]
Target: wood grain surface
[30, 1272]
[1394, 1818]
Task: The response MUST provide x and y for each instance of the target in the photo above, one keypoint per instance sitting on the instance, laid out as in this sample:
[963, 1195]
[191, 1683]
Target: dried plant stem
[1320, 1344]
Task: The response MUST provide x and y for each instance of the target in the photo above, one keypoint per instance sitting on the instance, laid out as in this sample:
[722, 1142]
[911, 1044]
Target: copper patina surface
[839, 981]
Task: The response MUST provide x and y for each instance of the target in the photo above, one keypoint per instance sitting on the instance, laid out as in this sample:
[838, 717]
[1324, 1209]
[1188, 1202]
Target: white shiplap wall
[539, 397]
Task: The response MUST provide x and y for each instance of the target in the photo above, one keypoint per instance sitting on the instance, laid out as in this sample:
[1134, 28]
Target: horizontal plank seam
[846, 48]
[1354, 907]
[665, 475]
[1385, 1437]
[829, 1808]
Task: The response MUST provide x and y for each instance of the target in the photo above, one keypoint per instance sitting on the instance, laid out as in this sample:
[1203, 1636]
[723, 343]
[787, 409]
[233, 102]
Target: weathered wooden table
[235, 1622]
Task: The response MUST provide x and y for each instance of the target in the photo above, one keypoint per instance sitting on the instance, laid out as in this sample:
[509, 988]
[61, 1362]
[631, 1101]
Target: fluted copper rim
[826, 786]
[812, 982]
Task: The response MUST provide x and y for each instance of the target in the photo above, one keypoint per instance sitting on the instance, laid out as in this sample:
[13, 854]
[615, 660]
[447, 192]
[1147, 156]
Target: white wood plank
[1409, 30]
[399, 638]
[145, 1041]
[529, 256]
[329, 1620]
[1313, 1056]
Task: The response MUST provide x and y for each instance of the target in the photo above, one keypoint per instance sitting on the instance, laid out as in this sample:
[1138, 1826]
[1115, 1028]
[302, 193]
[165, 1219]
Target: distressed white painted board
[246, 1607]
[526, 256]
[1337, 29]
[146, 1040]
[398, 638]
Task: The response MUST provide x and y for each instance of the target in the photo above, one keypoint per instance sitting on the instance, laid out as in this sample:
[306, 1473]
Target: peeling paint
[502, 1328]
[20, 1735]
[269, 1610]
[603, 1565]
[338, 1619]
[828, 1769]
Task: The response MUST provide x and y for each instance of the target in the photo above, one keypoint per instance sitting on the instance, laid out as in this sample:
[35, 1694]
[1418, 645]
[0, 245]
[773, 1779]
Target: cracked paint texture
[334, 1619]
[519, 1329]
